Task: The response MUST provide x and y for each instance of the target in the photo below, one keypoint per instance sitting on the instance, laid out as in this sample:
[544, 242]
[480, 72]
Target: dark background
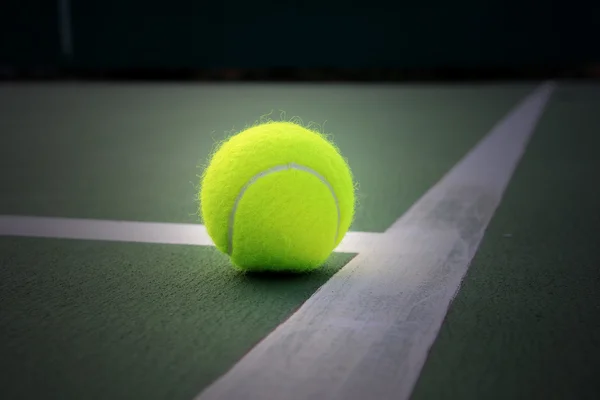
[306, 39]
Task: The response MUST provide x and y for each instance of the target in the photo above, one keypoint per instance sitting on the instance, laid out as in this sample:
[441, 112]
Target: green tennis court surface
[85, 319]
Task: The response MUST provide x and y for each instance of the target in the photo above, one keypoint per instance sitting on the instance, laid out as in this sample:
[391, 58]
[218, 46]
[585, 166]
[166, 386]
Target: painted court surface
[471, 271]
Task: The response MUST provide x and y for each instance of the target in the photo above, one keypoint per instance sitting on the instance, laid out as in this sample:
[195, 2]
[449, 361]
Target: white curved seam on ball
[269, 171]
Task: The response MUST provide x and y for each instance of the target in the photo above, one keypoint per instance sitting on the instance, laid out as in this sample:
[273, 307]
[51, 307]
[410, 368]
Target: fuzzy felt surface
[285, 220]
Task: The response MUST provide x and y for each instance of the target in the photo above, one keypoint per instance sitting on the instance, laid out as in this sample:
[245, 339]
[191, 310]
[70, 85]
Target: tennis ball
[277, 197]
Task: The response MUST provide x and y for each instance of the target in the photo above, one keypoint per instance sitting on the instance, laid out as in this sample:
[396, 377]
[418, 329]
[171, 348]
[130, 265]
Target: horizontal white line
[143, 232]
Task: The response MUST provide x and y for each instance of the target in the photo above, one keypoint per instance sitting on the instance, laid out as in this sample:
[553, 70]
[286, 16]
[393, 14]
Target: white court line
[366, 333]
[143, 232]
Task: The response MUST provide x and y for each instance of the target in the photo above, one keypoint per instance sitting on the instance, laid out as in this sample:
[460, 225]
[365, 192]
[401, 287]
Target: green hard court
[116, 320]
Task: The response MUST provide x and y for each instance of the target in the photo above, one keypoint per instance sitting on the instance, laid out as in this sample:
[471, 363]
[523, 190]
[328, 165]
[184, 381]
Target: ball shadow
[278, 276]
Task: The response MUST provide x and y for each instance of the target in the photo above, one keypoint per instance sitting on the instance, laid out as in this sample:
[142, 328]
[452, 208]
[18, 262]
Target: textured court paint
[143, 232]
[366, 333]
[92, 320]
[526, 322]
[272, 170]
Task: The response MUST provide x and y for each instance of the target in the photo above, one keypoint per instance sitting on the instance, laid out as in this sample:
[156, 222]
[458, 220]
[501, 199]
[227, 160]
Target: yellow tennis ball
[277, 197]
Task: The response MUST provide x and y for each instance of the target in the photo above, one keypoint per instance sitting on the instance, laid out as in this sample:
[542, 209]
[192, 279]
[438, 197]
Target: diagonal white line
[143, 232]
[366, 333]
